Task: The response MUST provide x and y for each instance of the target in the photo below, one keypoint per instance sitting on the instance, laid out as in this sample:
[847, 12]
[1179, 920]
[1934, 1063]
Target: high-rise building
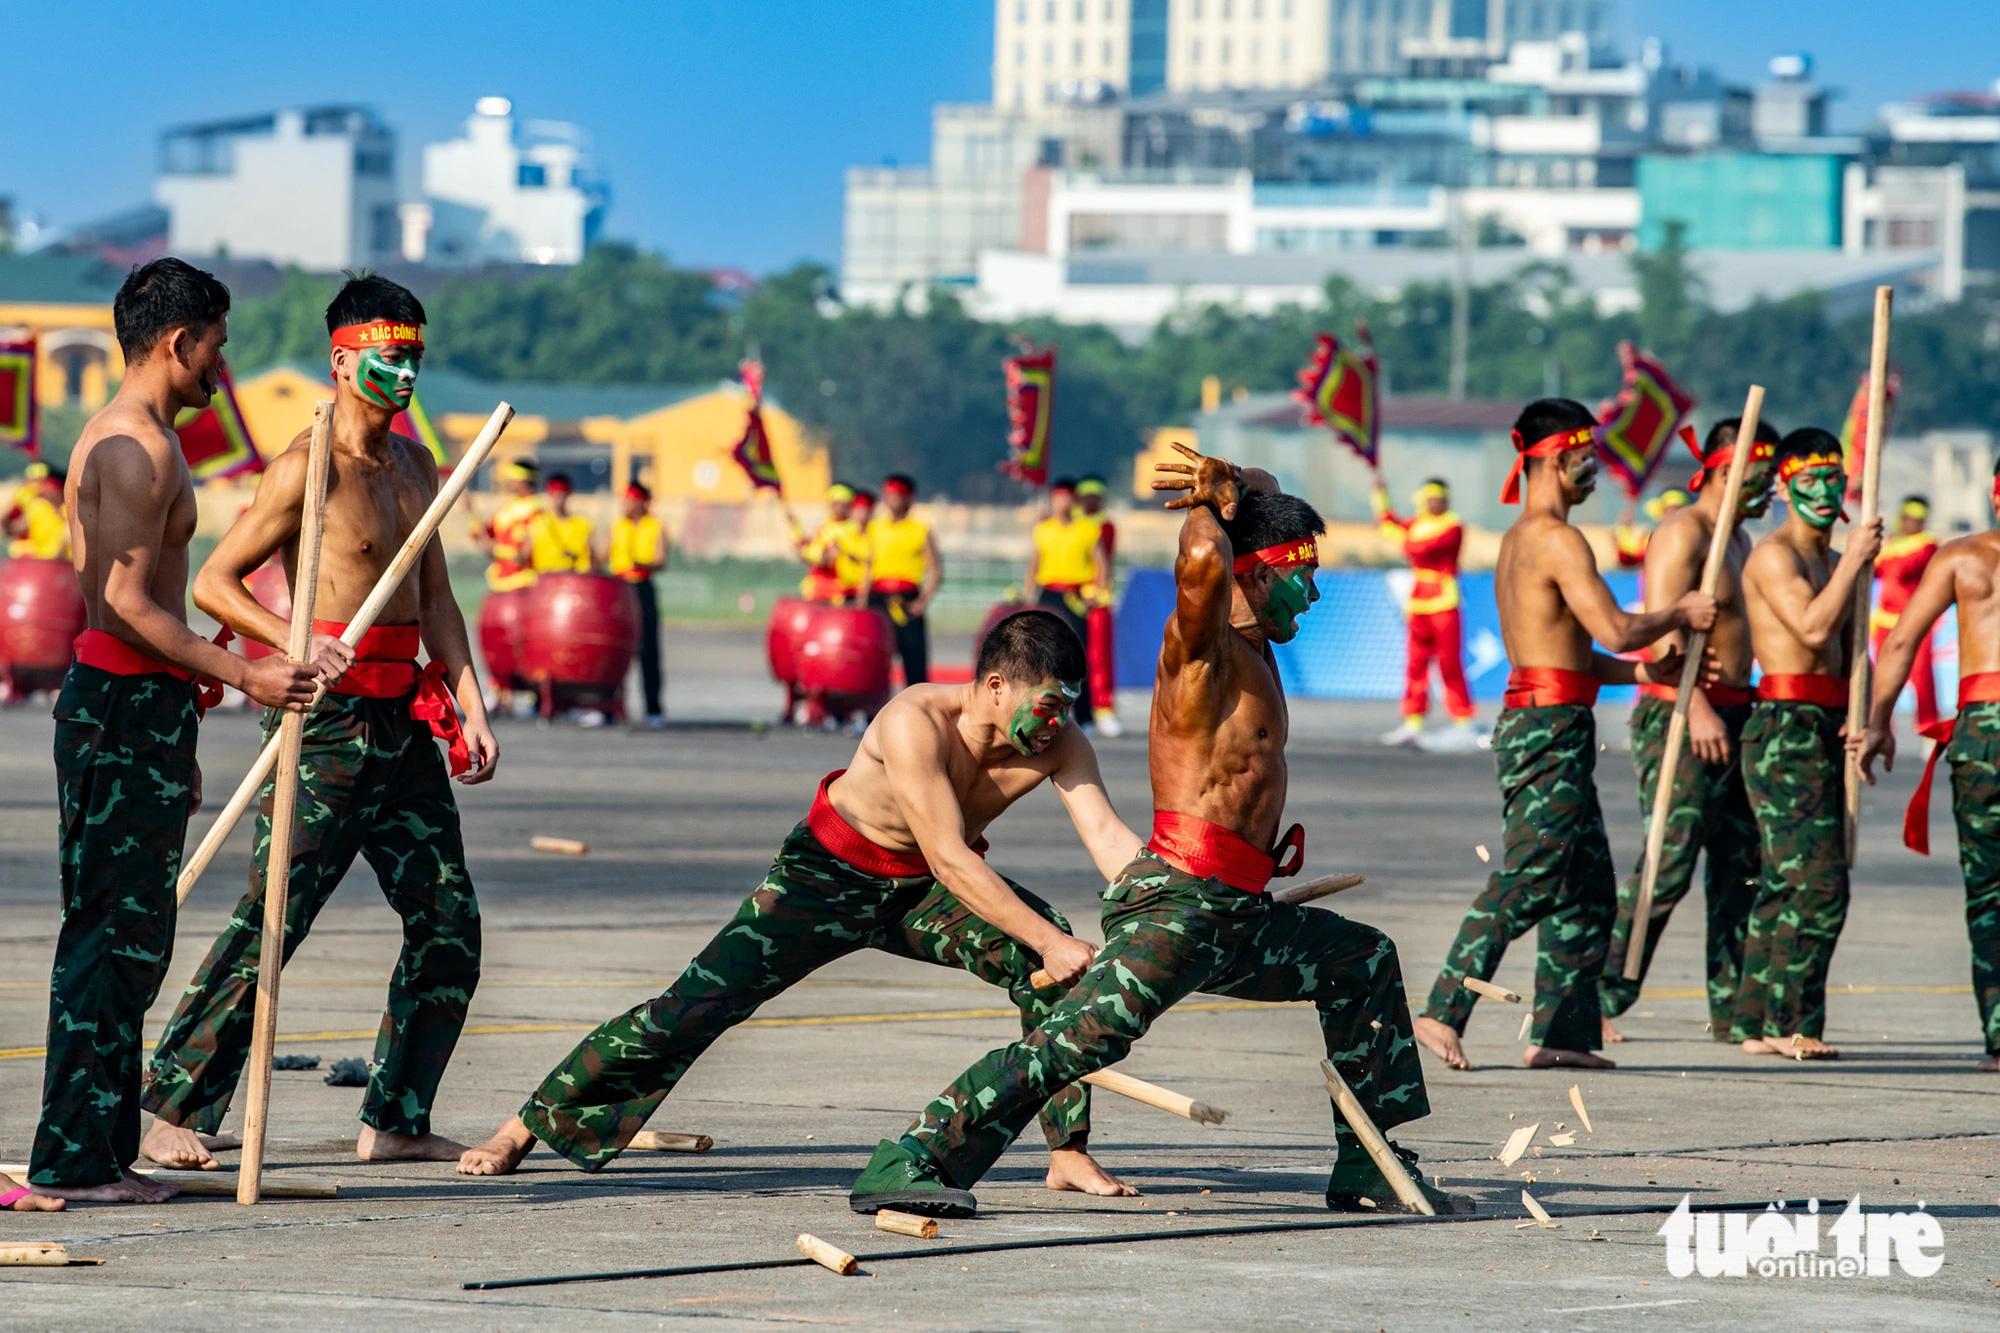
[504, 194]
[1049, 51]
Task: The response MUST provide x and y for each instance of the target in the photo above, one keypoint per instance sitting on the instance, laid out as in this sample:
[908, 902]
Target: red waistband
[1722, 696]
[1062, 587]
[1545, 687]
[900, 587]
[385, 660]
[844, 841]
[108, 652]
[1212, 851]
[1825, 691]
[1981, 687]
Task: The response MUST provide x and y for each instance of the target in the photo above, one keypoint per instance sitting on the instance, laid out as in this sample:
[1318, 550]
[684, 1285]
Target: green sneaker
[906, 1180]
[1357, 1185]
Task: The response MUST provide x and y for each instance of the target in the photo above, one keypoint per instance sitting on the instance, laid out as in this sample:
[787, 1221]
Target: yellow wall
[277, 405]
[102, 367]
[682, 451]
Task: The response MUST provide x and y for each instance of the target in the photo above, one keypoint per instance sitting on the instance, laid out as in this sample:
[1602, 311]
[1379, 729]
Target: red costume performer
[1900, 567]
[1430, 539]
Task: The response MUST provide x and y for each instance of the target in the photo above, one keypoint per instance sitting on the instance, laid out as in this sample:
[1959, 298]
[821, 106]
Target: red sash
[894, 587]
[846, 842]
[1722, 696]
[385, 667]
[1210, 850]
[108, 652]
[1980, 688]
[1825, 691]
[1545, 687]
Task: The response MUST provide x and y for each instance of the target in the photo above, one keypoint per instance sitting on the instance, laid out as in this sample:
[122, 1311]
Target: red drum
[500, 617]
[844, 660]
[581, 631]
[789, 619]
[273, 592]
[41, 613]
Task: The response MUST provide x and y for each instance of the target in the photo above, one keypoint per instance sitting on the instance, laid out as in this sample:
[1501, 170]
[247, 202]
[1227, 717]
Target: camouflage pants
[124, 782]
[1792, 767]
[1169, 934]
[811, 909]
[371, 783]
[1975, 800]
[1707, 811]
[1556, 877]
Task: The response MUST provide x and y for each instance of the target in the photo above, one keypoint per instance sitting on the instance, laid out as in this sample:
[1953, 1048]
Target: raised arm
[1202, 569]
[1111, 844]
[911, 746]
[1813, 618]
[1589, 599]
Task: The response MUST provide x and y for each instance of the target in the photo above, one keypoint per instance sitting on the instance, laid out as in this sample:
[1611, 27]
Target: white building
[313, 187]
[507, 195]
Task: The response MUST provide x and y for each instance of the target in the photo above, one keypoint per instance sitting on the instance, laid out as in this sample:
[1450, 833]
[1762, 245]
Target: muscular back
[1536, 622]
[1674, 561]
[130, 499]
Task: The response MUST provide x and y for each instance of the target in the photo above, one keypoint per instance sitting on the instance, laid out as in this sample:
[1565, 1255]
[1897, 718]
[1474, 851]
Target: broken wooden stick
[1318, 888]
[1386, 1161]
[562, 846]
[1152, 1095]
[649, 1140]
[1491, 991]
[216, 1184]
[33, 1254]
[1539, 1213]
[1576, 1100]
[906, 1224]
[1517, 1143]
[827, 1256]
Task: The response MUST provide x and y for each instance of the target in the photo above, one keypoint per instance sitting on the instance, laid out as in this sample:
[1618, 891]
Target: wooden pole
[284, 800]
[385, 588]
[1858, 666]
[1153, 1095]
[1391, 1166]
[1711, 575]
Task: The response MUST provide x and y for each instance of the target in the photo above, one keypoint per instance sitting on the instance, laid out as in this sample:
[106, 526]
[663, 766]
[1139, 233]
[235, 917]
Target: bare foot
[1442, 1040]
[29, 1201]
[1758, 1046]
[499, 1155]
[130, 1189]
[1549, 1057]
[179, 1147]
[375, 1145]
[1610, 1033]
[1075, 1170]
[1805, 1048]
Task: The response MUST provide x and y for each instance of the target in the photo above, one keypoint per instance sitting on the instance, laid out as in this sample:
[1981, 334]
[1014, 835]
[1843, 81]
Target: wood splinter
[1576, 1100]
[648, 1140]
[827, 1256]
[906, 1224]
[1541, 1214]
[561, 846]
[1491, 991]
[1517, 1143]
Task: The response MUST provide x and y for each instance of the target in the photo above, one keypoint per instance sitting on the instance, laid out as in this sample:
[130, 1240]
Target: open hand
[1215, 482]
[1872, 743]
[1707, 736]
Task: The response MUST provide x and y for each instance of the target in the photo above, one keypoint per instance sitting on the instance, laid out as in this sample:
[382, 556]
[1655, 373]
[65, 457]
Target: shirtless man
[1192, 912]
[1557, 873]
[371, 781]
[891, 858]
[1799, 600]
[1964, 573]
[125, 733]
[1707, 809]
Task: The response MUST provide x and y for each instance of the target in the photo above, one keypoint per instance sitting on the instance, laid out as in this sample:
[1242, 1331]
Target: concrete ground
[681, 824]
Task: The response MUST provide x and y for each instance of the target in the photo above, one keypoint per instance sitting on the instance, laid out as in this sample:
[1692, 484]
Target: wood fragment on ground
[1576, 1100]
[1517, 1143]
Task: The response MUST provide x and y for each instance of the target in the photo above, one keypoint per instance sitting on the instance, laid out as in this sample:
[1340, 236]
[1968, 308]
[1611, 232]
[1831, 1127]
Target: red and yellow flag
[1854, 431]
[214, 439]
[1031, 396]
[19, 422]
[1634, 432]
[1340, 389]
[753, 452]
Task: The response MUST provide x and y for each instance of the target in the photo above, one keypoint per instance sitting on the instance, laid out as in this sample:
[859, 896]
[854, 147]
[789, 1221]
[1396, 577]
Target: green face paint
[1756, 495]
[1292, 594]
[388, 383]
[1042, 713]
[1817, 495]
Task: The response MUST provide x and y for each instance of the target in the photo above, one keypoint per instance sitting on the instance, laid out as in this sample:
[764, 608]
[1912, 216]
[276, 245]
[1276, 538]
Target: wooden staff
[1858, 672]
[364, 619]
[284, 802]
[1697, 644]
[1155, 1096]
[1386, 1161]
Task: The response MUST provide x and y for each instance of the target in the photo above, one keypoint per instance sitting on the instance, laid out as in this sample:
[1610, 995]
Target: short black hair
[1270, 518]
[1549, 416]
[1723, 433]
[903, 479]
[1030, 647]
[365, 296]
[157, 298]
[1809, 440]
[1063, 484]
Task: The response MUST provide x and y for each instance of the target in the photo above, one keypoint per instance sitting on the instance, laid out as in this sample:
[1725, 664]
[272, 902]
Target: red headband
[636, 492]
[1285, 555]
[560, 484]
[378, 333]
[1761, 451]
[1798, 463]
[1546, 447]
[893, 487]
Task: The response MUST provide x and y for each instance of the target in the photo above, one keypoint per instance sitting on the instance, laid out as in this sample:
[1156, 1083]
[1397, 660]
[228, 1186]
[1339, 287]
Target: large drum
[500, 617]
[273, 592]
[787, 632]
[578, 636]
[844, 659]
[41, 613]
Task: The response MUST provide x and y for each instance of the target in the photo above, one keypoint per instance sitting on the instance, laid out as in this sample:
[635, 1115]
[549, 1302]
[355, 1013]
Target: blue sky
[723, 126]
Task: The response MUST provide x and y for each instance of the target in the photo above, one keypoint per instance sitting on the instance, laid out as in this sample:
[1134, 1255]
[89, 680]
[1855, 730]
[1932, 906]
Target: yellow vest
[634, 545]
[850, 554]
[1068, 551]
[897, 549]
[513, 527]
[48, 532]
[562, 545]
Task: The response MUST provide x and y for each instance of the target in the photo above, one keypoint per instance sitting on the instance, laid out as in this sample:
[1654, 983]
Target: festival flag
[753, 451]
[1854, 431]
[415, 423]
[1634, 432]
[1340, 389]
[19, 423]
[214, 439]
[1031, 396]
